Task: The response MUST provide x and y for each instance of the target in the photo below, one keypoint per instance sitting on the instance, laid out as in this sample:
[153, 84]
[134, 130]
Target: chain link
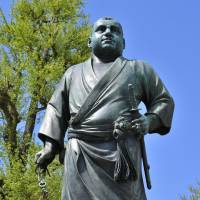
[41, 173]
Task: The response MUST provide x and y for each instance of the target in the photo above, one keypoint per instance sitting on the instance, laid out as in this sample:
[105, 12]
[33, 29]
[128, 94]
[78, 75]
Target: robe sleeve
[157, 99]
[57, 113]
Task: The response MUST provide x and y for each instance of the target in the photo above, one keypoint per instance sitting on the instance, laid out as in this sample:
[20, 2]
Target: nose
[108, 31]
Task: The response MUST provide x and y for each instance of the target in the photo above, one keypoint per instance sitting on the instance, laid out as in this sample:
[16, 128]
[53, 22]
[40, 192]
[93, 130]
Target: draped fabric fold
[95, 166]
[89, 172]
[123, 162]
[99, 89]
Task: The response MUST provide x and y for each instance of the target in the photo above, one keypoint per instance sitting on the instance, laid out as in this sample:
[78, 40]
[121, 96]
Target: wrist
[154, 122]
[51, 145]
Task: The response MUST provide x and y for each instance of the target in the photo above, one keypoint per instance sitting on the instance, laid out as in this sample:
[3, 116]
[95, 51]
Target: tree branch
[29, 127]
[11, 118]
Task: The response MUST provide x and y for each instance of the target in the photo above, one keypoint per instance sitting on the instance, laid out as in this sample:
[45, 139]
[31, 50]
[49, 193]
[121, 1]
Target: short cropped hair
[110, 18]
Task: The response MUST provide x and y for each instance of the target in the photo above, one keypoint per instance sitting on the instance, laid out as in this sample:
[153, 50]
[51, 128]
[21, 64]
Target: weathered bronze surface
[94, 103]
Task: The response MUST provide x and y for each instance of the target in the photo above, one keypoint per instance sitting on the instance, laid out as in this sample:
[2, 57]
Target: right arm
[54, 125]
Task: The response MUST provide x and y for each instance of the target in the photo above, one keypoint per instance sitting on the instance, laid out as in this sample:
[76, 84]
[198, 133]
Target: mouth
[107, 40]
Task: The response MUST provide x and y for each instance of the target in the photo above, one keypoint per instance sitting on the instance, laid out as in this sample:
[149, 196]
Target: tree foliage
[20, 182]
[194, 193]
[39, 41]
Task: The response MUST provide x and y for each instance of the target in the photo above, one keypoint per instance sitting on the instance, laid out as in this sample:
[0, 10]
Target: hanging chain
[41, 173]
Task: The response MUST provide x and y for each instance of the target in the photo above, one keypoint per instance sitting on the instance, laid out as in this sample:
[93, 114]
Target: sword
[136, 113]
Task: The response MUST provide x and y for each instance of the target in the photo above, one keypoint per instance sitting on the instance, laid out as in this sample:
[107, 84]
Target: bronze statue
[96, 103]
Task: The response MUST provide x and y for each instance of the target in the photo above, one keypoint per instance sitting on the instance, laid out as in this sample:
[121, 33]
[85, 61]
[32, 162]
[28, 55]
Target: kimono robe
[88, 172]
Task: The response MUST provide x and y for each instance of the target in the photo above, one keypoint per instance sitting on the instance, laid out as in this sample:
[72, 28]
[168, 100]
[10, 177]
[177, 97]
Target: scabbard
[137, 115]
[146, 166]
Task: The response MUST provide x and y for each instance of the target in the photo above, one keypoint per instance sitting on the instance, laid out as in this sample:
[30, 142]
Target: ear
[89, 42]
[124, 43]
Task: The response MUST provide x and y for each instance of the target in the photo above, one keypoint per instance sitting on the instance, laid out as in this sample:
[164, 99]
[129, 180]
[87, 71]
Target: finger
[42, 166]
[134, 126]
[38, 161]
[137, 126]
[139, 129]
[141, 118]
[37, 155]
[42, 162]
[135, 121]
[43, 156]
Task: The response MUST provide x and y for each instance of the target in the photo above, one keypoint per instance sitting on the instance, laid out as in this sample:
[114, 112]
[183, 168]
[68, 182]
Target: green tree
[194, 193]
[20, 182]
[38, 43]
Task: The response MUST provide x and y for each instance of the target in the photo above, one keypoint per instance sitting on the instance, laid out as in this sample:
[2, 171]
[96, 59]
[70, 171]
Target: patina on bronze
[93, 103]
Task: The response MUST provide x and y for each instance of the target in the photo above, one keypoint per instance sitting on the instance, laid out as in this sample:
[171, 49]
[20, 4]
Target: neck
[97, 60]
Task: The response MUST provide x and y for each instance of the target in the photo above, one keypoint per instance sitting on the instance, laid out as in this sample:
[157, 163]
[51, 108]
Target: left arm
[158, 101]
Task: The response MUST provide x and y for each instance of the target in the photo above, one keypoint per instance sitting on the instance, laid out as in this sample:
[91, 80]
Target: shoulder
[140, 66]
[74, 69]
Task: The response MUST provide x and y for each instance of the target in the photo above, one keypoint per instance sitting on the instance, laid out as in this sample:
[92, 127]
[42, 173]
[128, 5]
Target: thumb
[37, 155]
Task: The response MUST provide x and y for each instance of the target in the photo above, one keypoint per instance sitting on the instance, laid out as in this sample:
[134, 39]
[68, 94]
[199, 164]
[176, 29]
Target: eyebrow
[115, 26]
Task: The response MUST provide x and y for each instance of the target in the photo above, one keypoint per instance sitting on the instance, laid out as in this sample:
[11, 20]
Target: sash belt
[124, 166]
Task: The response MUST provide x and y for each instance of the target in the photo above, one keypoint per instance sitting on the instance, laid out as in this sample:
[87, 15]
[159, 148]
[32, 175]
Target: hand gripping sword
[136, 114]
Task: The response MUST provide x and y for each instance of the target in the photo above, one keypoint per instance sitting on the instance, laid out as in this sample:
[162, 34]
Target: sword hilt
[132, 98]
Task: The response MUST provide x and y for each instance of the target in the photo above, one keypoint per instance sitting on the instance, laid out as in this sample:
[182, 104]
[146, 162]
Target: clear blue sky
[165, 34]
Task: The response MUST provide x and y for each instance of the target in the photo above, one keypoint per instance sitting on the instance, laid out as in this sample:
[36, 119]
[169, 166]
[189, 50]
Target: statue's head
[106, 40]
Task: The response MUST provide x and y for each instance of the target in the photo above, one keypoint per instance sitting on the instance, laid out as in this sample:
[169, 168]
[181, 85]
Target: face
[107, 40]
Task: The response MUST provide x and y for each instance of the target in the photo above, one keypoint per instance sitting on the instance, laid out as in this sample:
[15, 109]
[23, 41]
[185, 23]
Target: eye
[115, 29]
[100, 29]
